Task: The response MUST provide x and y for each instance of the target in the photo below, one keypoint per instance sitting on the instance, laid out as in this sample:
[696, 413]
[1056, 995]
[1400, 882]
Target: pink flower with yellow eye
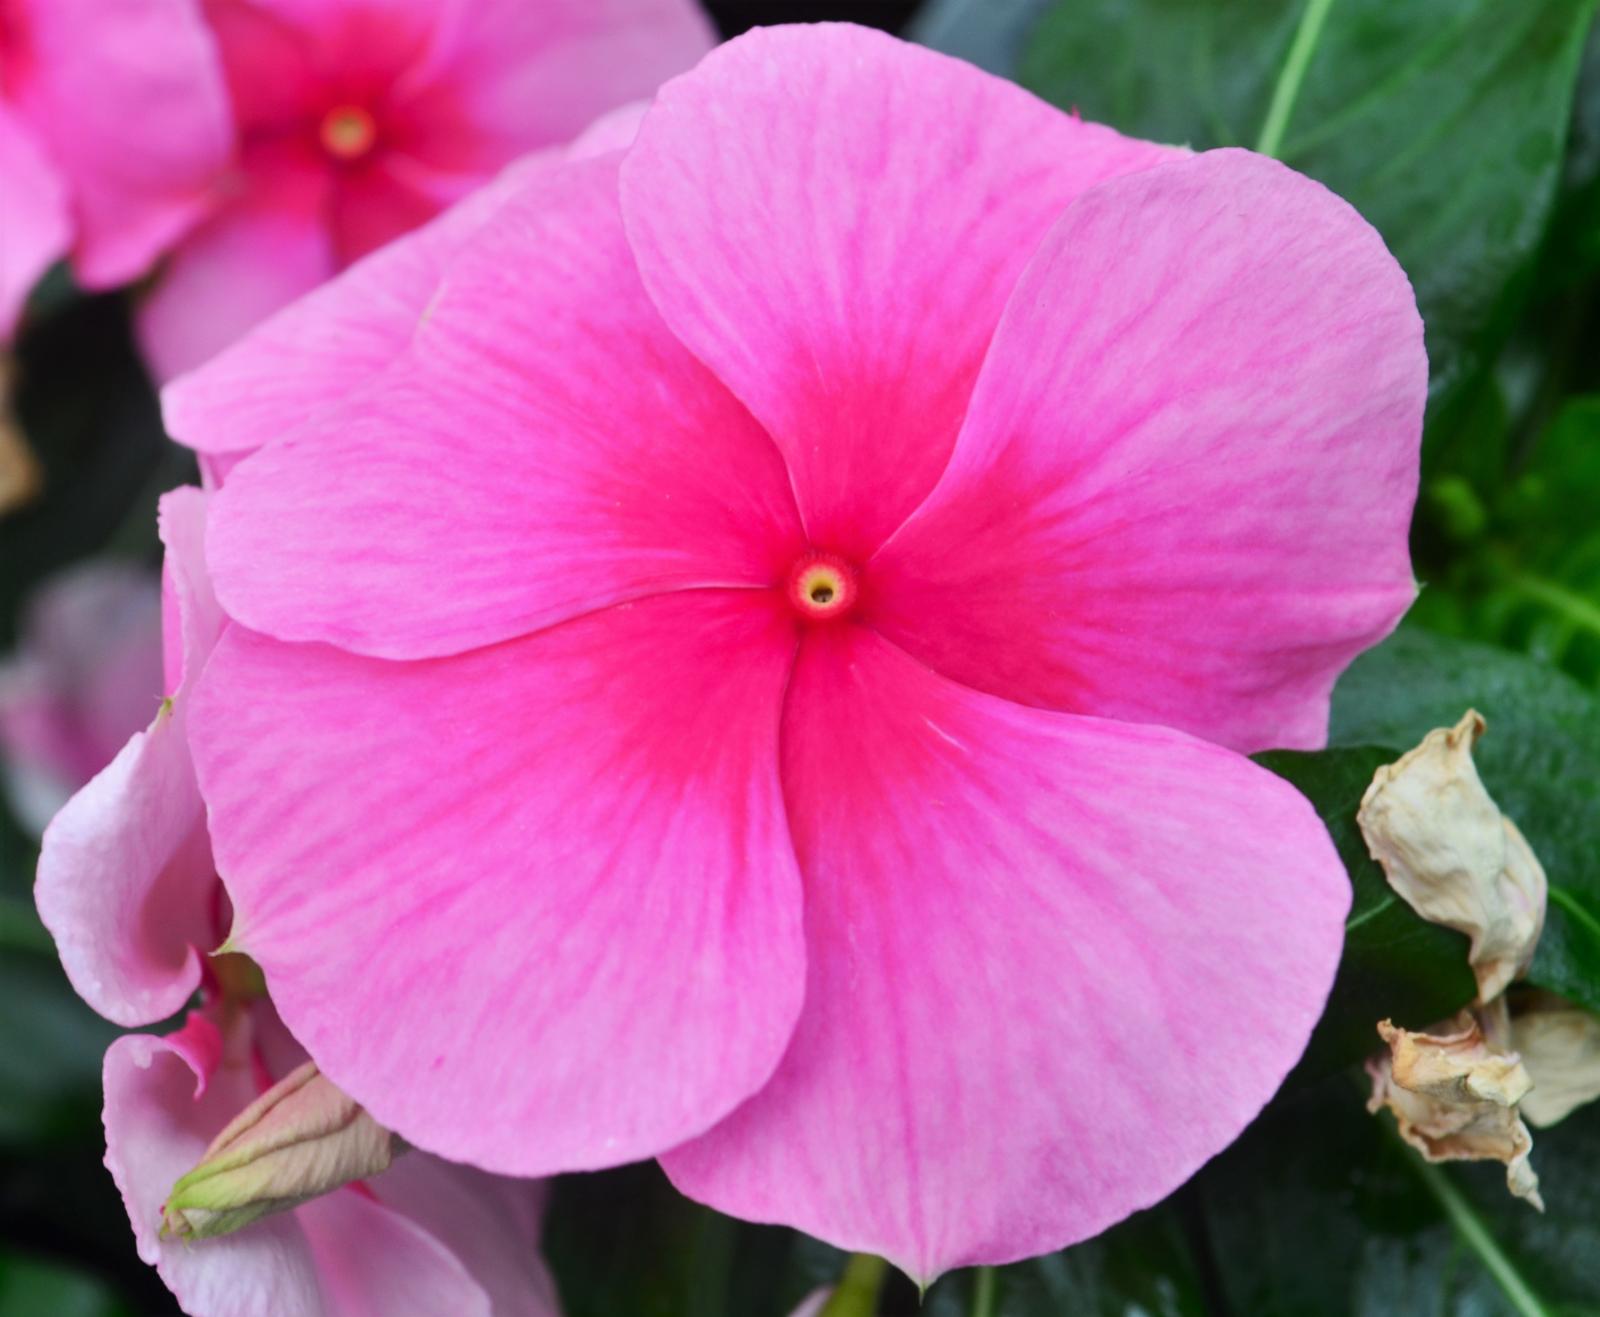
[763, 676]
[354, 121]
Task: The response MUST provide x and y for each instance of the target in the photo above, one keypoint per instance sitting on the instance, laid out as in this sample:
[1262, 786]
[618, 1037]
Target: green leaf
[1529, 574]
[30, 1287]
[1540, 760]
[626, 1241]
[51, 1046]
[1140, 1268]
[1396, 965]
[1443, 121]
[1320, 1211]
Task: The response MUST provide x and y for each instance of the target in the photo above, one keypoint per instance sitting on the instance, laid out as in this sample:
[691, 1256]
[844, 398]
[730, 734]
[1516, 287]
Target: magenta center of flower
[823, 586]
[348, 132]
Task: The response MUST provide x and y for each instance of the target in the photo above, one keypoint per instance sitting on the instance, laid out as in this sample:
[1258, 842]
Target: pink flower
[422, 1239]
[357, 120]
[86, 676]
[350, 329]
[128, 888]
[761, 677]
[112, 127]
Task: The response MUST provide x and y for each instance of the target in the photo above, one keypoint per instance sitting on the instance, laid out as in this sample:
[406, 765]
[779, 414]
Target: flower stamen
[348, 132]
[822, 586]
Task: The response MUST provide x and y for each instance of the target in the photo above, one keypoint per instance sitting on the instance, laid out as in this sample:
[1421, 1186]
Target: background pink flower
[86, 675]
[755, 639]
[112, 129]
[357, 120]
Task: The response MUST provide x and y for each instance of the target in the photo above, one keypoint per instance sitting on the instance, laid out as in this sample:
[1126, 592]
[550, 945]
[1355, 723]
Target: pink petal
[345, 1255]
[34, 227]
[491, 1223]
[324, 346]
[126, 884]
[130, 98]
[1054, 964]
[513, 471]
[86, 676]
[507, 75]
[847, 298]
[492, 892]
[1183, 491]
[255, 256]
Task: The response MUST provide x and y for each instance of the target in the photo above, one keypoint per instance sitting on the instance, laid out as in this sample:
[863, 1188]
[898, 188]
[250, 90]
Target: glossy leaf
[1395, 965]
[1320, 1211]
[1442, 121]
[1540, 760]
[1141, 1268]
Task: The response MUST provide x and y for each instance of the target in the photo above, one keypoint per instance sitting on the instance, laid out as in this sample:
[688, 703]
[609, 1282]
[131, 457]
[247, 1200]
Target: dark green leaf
[1319, 1211]
[1141, 1268]
[1442, 121]
[1540, 761]
[30, 1287]
[1528, 574]
[51, 1046]
[1396, 965]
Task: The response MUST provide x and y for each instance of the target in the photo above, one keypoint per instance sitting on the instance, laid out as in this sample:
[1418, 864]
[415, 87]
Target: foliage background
[1468, 131]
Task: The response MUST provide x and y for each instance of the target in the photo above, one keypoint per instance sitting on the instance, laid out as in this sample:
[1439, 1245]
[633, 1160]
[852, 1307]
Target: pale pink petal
[491, 1224]
[507, 75]
[345, 1255]
[130, 98]
[254, 257]
[1183, 491]
[491, 892]
[126, 884]
[1054, 964]
[322, 347]
[34, 226]
[848, 295]
[86, 676]
[547, 448]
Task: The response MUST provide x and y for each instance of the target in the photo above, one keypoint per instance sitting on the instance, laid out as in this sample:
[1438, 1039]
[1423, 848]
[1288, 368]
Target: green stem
[983, 1292]
[1470, 1227]
[1578, 610]
[857, 1292]
[1292, 76]
[1575, 910]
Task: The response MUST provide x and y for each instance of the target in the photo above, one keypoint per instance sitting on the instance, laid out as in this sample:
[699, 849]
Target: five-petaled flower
[762, 676]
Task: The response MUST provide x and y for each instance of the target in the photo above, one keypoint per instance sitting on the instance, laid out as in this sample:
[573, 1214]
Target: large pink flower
[356, 120]
[129, 891]
[761, 676]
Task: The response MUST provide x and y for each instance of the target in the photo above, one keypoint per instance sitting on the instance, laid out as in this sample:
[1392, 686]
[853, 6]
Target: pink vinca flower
[85, 677]
[128, 889]
[762, 676]
[357, 120]
[112, 127]
[423, 1238]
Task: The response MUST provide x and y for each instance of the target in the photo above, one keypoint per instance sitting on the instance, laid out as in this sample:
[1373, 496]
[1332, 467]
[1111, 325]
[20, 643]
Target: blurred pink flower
[762, 672]
[357, 120]
[113, 126]
[129, 890]
[86, 676]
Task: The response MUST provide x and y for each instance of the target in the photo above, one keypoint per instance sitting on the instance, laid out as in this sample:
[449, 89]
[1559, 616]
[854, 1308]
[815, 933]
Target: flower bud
[298, 1140]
